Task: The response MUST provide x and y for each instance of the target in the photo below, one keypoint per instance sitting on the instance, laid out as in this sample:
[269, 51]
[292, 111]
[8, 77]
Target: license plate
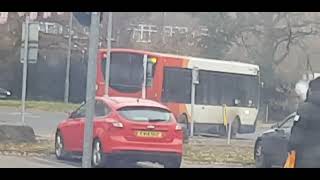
[149, 134]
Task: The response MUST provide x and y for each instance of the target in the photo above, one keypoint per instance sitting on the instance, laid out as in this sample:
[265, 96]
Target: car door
[275, 143]
[101, 112]
[72, 129]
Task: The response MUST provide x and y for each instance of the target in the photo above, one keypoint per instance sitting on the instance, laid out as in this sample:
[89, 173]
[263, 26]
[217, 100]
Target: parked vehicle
[271, 148]
[4, 93]
[125, 130]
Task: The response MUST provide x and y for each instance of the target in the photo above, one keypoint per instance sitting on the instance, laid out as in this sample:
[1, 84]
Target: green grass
[40, 105]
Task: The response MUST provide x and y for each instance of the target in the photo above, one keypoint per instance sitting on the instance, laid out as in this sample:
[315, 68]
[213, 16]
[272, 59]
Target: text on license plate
[152, 134]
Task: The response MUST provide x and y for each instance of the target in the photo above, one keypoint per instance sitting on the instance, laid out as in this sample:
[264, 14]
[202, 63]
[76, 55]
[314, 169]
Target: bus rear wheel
[234, 129]
[183, 121]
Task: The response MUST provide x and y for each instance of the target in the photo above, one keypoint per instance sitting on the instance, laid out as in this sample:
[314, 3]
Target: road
[45, 123]
[51, 162]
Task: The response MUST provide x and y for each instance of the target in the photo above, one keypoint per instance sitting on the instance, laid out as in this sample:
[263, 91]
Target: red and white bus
[229, 84]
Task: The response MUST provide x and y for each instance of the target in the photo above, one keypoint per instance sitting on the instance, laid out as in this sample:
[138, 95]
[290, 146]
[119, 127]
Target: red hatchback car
[125, 129]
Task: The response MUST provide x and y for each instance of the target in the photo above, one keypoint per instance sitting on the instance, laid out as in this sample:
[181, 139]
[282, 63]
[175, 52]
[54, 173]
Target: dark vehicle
[4, 93]
[271, 148]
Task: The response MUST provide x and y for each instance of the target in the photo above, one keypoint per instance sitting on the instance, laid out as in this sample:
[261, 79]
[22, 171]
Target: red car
[125, 129]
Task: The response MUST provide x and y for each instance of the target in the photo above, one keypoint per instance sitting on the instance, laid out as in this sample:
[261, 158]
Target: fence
[46, 78]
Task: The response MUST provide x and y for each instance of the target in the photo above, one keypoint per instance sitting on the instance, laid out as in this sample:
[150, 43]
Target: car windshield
[145, 114]
[288, 121]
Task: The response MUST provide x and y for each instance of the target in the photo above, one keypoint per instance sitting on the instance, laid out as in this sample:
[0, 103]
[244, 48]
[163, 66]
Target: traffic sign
[33, 42]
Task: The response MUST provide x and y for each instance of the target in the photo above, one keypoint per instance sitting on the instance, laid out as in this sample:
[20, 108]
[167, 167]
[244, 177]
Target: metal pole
[229, 131]
[25, 70]
[67, 80]
[193, 94]
[267, 113]
[195, 81]
[145, 61]
[107, 75]
[90, 94]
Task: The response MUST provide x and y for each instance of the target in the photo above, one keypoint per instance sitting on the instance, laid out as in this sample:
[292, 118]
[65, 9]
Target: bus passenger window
[177, 85]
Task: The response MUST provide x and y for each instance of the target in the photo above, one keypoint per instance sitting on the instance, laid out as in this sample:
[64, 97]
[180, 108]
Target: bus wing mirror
[262, 84]
[149, 74]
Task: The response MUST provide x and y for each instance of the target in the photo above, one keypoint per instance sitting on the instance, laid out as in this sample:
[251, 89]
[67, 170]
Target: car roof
[120, 102]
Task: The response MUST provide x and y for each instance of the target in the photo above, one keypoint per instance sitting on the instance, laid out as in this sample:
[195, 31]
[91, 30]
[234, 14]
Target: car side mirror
[71, 114]
[275, 126]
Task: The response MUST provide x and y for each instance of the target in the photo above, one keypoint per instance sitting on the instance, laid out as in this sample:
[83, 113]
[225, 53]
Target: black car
[271, 147]
[4, 93]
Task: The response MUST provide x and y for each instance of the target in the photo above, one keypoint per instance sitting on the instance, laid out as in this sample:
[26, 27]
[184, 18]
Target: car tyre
[260, 158]
[173, 162]
[98, 157]
[60, 152]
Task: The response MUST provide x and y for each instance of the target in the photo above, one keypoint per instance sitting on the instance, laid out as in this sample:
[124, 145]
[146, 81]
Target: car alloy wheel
[59, 147]
[97, 154]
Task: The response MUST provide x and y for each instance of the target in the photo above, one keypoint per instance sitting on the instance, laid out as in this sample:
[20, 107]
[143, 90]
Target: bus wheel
[183, 121]
[234, 129]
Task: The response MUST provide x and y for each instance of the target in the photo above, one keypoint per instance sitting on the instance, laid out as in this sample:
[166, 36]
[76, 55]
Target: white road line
[30, 115]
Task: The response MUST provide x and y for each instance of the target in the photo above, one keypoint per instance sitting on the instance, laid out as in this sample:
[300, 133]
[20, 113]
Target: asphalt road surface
[45, 123]
[52, 162]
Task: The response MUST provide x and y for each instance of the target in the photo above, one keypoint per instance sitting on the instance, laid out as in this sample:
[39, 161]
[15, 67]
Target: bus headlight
[153, 60]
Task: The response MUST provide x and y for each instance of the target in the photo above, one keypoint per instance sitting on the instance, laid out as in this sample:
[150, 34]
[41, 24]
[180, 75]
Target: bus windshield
[126, 72]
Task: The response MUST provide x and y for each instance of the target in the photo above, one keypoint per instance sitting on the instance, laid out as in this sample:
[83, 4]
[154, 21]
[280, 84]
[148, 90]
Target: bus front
[127, 70]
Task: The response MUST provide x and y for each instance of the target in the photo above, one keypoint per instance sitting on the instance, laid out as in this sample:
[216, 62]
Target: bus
[226, 90]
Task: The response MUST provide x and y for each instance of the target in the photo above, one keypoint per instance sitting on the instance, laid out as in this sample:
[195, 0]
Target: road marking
[30, 115]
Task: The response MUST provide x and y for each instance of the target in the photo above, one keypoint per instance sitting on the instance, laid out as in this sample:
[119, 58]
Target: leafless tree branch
[289, 39]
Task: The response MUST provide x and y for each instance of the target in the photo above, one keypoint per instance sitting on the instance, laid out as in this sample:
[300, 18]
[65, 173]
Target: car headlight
[8, 93]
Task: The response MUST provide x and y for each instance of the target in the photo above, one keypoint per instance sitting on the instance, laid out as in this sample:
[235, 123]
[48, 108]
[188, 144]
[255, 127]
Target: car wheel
[260, 158]
[60, 152]
[98, 156]
[173, 163]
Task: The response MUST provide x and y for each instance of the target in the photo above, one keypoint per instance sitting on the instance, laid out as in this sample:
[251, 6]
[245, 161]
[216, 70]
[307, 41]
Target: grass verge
[202, 153]
[41, 147]
[238, 152]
